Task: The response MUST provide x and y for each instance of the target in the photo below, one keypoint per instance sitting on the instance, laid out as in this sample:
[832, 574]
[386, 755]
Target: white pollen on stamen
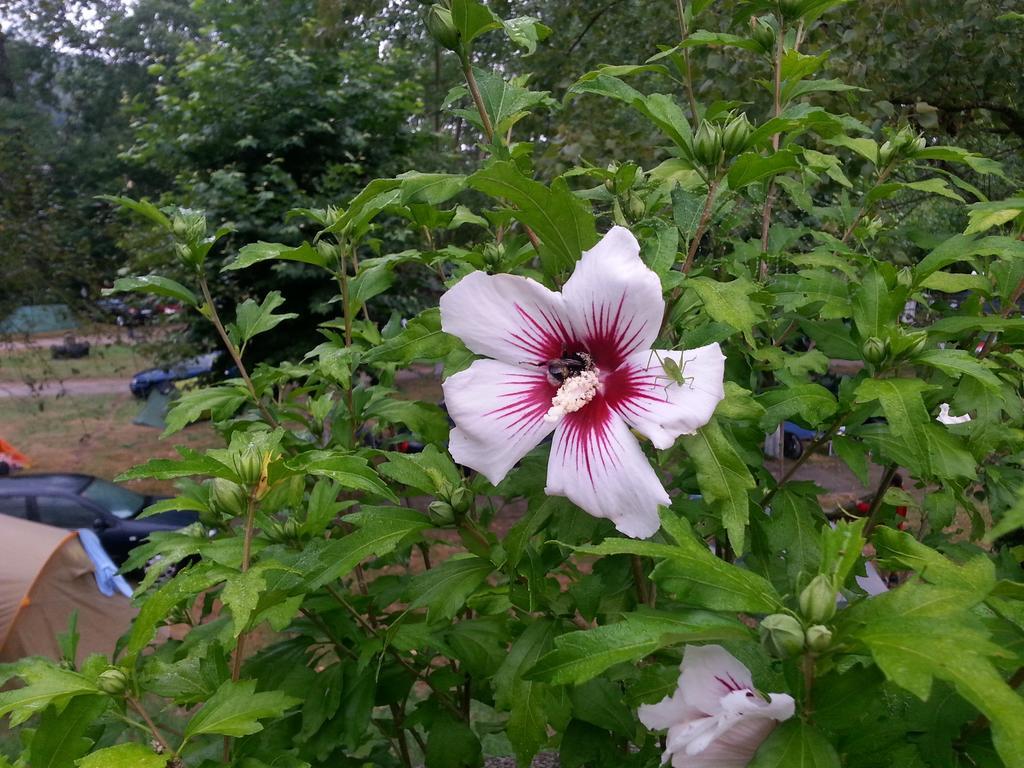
[574, 393]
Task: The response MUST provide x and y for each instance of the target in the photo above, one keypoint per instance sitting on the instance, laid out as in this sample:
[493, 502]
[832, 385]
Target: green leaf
[660, 109]
[186, 586]
[580, 656]
[840, 549]
[254, 253]
[692, 571]
[730, 302]
[421, 339]
[723, 477]
[955, 282]
[957, 363]
[703, 38]
[156, 285]
[219, 402]
[562, 221]
[443, 590]
[426, 420]
[873, 306]
[506, 103]
[984, 216]
[452, 743]
[381, 529]
[866, 148]
[45, 684]
[795, 744]
[190, 463]
[252, 319]
[526, 32]
[346, 469]
[531, 705]
[61, 736]
[832, 337]
[472, 19]
[899, 550]
[236, 709]
[130, 755]
[925, 448]
[751, 166]
[911, 652]
[241, 594]
[659, 249]
[142, 207]
[812, 402]
[793, 534]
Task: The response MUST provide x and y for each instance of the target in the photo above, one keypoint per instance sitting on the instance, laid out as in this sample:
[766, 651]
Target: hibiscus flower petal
[660, 408]
[507, 317]
[709, 673]
[733, 748]
[614, 300]
[498, 410]
[598, 464]
[668, 712]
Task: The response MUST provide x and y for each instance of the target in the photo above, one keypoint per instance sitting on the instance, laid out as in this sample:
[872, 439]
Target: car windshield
[120, 502]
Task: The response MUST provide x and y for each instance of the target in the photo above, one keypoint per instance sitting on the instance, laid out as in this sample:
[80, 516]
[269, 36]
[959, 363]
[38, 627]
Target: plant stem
[825, 436]
[876, 503]
[157, 736]
[882, 176]
[702, 225]
[346, 312]
[807, 666]
[643, 595]
[236, 662]
[485, 119]
[442, 696]
[769, 198]
[684, 32]
[233, 351]
[403, 745]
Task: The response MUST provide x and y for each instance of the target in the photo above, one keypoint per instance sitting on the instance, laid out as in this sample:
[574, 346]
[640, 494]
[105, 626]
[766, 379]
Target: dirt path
[113, 386]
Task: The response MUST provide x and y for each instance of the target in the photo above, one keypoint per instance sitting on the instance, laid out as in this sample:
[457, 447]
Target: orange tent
[13, 458]
[45, 575]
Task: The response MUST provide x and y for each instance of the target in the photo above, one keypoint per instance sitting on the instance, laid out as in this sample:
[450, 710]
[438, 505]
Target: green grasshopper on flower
[673, 371]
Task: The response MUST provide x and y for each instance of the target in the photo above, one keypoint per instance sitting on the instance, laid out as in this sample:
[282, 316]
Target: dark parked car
[83, 501]
[162, 379]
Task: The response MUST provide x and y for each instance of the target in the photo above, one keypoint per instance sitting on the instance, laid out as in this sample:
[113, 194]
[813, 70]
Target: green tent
[39, 318]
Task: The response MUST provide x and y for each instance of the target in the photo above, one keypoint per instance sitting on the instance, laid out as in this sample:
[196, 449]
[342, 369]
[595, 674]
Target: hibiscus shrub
[592, 507]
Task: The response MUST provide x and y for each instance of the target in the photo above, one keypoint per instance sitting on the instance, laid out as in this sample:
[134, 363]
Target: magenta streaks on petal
[542, 335]
[610, 336]
[585, 433]
[526, 404]
[627, 388]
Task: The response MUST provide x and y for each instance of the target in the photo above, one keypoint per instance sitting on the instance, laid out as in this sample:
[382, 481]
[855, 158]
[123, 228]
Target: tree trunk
[6, 83]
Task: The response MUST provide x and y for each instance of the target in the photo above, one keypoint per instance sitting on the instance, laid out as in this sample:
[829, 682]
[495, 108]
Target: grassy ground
[91, 434]
[104, 361]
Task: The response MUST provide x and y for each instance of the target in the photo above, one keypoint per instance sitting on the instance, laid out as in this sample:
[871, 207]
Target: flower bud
[914, 343]
[248, 465]
[818, 600]
[228, 497]
[113, 681]
[875, 350]
[493, 254]
[790, 9]
[442, 28]
[735, 135]
[818, 637]
[781, 635]
[460, 500]
[707, 145]
[441, 513]
[886, 152]
[763, 33]
[636, 207]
